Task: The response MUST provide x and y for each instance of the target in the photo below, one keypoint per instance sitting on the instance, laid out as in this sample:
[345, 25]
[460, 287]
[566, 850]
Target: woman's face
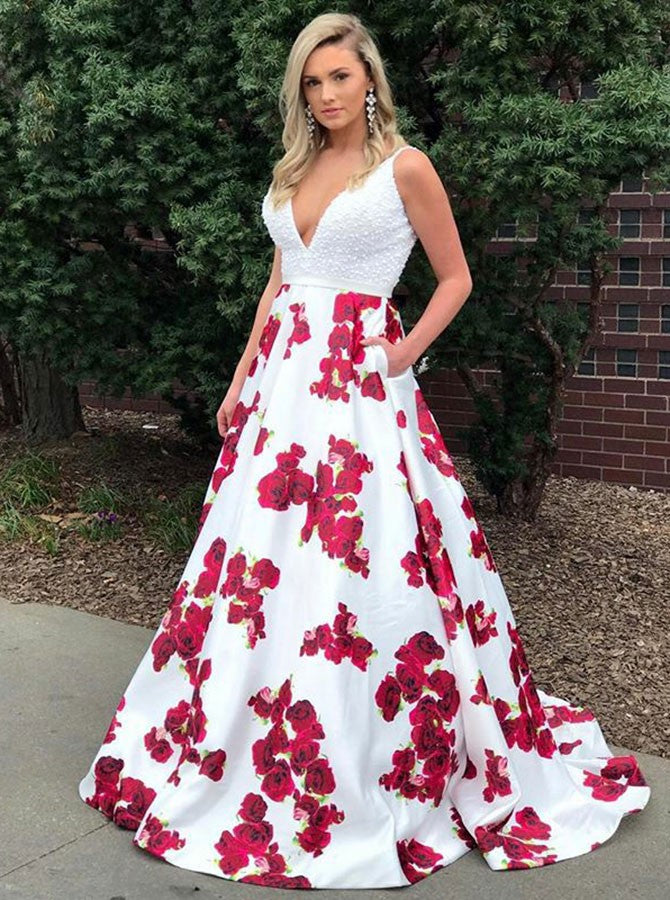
[334, 78]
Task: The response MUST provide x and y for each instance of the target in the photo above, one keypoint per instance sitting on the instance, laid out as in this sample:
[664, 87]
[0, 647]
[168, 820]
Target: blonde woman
[338, 696]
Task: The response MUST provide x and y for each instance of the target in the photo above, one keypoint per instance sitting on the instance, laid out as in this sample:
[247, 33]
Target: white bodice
[362, 240]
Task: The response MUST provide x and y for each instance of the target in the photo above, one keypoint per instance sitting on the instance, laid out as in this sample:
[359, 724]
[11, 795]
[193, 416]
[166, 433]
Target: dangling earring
[370, 102]
[309, 115]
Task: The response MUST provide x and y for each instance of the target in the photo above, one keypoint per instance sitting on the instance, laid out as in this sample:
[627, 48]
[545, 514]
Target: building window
[507, 229]
[588, 364]
[550, 83]
[628, 317]
[588, 90]
[629, 270]
[665, 318]
[665, 274]
[583, 272]
[626, 362]
[631, 184]
[666, 223]
[629, 223]
[585, 215]
[664, 363]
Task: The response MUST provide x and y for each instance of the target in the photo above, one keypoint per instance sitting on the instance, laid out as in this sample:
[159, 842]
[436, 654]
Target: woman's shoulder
[413, 173]
[414, 163]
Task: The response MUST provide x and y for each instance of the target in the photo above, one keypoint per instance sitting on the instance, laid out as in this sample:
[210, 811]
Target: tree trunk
[521, 498]
[11, 408]
[51, 408]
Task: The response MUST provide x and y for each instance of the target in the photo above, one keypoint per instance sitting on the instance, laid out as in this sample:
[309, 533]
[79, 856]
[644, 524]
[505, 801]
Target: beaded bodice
[362, 240]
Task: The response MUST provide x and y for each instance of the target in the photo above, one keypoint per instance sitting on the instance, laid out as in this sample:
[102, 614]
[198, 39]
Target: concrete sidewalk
[62, 673]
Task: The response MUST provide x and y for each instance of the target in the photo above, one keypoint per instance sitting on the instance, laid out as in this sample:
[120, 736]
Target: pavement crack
[73, 840]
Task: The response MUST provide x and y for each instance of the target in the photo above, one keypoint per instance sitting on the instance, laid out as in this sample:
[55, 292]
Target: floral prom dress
[337, 695]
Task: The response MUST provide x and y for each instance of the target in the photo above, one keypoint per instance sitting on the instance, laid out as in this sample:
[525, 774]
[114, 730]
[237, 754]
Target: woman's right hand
[225, 412]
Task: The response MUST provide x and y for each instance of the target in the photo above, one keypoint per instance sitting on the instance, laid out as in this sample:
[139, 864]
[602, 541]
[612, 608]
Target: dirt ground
[589, 581]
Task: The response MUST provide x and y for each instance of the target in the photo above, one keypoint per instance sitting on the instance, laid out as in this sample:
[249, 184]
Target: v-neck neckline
[305, 246]
[345, 190]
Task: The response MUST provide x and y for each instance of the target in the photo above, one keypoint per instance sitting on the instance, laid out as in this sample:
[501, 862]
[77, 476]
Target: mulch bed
[588, 581]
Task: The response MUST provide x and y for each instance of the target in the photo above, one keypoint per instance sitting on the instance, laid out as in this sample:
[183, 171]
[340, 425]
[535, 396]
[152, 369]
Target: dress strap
[399, 150]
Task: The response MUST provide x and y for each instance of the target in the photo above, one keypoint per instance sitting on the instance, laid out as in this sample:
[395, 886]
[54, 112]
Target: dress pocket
[383, 365]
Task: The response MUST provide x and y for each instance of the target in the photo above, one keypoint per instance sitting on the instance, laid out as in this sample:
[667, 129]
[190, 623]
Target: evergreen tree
[164, 115]
[118, 115]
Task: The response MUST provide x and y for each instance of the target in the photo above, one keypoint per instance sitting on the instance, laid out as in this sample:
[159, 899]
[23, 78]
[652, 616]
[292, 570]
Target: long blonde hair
[300, 152]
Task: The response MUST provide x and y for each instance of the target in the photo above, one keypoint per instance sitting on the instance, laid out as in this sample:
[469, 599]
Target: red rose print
[624, 767]
[213, 764]
[340, 641]
[251, 842]
[460, 829]
[225, 464]
[278, 782]
[346, 352]
[115, 723]
[478, 545]
[212, 562]
[124, 800]
[266, 340]
[263, 435]
[480, 623]
[255, 836]
[603, 788]
[155, 741]
[301, 715]
[319, 778]
[313, 840]
[481, 694]
[253, 808]
[429, 559]
[497, 777]
[328, 497]
[528, 728]
[422, 768]
[518, 840]
[300, 332]
[247, 583]
[557, 715]
[302, 762]
[417, 860]
[157, 839]
[432, 443]
[183, 627]
[387, 697]
[325, 459]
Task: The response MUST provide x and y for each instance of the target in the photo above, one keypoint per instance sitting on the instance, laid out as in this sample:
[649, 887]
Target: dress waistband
[336, 283]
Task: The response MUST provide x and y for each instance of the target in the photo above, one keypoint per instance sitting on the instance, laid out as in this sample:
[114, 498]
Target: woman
[338, 696]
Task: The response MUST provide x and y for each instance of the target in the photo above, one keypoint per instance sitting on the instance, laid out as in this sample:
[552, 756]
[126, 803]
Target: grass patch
[29, 482]
[174, 523]
[103, 526]
[101, 498]
[11, 522]
[31, 508]
[46, 535]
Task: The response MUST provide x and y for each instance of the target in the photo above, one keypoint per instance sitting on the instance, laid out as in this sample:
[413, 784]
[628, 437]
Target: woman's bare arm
[429, 210]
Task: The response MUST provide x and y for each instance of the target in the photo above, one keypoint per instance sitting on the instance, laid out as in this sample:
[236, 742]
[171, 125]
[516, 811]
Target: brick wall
[151, 402]
[610, 430]
[616, 415]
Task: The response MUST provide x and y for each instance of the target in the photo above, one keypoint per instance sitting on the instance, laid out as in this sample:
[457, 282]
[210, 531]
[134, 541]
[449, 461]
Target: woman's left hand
[396, 358]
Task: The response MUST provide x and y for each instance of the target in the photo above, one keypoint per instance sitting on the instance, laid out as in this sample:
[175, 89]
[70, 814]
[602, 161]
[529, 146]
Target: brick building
[616, 415]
